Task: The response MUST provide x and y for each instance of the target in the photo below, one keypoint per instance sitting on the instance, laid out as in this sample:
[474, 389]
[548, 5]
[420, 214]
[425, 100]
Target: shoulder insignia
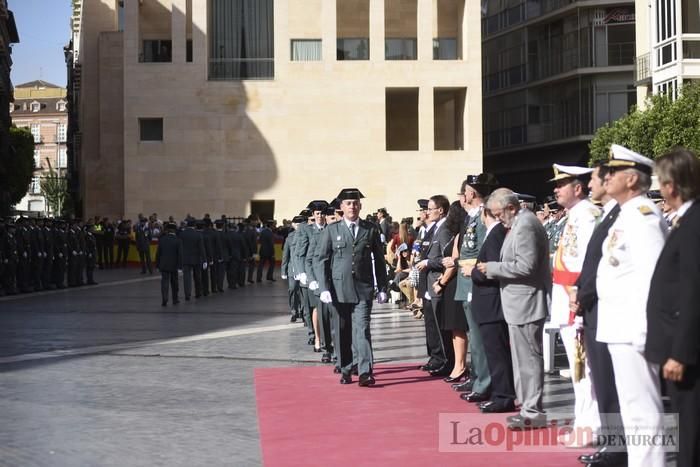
[595, 212]
[645, 210]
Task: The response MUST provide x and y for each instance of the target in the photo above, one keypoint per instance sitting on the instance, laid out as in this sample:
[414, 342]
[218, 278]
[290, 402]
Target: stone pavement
[103, 375]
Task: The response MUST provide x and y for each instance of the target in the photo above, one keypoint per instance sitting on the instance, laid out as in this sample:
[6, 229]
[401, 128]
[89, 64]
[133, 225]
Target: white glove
[283, 277]
[302, 278]
[313, 285]
[381, 297]
[326, 297]
[204, 266]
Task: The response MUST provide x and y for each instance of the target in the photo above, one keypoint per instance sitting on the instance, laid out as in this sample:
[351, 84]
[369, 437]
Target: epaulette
[645, 210]
[596, 212]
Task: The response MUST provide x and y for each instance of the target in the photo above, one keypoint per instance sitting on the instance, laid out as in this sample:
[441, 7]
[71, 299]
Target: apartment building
[42, 108]
[553, 72]
[239, 107]
[8, 36]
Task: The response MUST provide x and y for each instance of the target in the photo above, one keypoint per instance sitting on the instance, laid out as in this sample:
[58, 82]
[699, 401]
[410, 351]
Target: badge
[338, 238]
[470, 244]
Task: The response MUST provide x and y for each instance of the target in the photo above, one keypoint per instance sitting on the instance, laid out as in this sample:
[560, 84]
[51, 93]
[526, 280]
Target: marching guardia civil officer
[630, 252]
[352, 257]
[571, 193]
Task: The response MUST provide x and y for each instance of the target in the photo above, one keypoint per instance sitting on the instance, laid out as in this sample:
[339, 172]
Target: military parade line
[609, 270]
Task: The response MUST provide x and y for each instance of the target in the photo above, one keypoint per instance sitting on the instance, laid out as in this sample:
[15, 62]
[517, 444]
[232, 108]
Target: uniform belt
[565, 277]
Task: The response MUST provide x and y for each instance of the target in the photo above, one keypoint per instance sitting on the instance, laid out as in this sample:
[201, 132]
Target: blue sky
[44, 29]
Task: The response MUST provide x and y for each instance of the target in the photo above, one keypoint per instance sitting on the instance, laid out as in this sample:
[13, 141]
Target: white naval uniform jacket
[568, 258]
[630, 252]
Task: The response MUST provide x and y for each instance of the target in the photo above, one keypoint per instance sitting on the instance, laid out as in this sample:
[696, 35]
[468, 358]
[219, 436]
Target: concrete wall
[313, 129]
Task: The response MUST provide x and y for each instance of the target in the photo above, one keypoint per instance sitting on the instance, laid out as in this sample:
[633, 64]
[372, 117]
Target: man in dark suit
[143, 244]
[209, 245]
[221, 255]
[193, 258]
[673, 316]
[586, 305]
[251, 237]
[352, 258]
[439, 341]
[488, 314]
[168, 261]
[266, 252]
[235, 247]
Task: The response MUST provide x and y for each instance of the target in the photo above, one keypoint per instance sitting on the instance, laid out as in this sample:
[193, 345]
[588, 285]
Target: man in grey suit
[351, 254]
[526, 283]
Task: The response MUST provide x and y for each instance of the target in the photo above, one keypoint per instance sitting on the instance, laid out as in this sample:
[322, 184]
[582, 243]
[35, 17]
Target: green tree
[665, 123]
[18, 167]
[54, 188]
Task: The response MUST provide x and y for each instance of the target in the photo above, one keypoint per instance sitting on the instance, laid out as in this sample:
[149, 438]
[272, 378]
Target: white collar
[489, 229]
[609, 206]
[684, 207]
[347, 222]
[440, 222]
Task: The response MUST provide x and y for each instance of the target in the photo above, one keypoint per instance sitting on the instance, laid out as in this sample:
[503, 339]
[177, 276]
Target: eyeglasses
[433, 209]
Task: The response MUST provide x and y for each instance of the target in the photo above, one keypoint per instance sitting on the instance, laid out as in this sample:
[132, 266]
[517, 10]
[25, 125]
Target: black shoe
[251, 282]
[311, 341]
[464, 387]
[605, 458]
[175, 302]
[494, 407]
[450, 379]
[326, 358]
[366, 379]
[430, 366]
[272, 280]
[336, 370]
[187, 299]
[258, 281]
[440, 372]
[164, 304]
[197, 296]
[475, 397]
[318, 349]
[346, 379]
[527, 424]
[92, 283]
[293, 319]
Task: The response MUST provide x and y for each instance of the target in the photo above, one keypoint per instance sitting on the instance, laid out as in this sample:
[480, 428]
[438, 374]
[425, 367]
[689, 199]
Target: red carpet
[307, 418]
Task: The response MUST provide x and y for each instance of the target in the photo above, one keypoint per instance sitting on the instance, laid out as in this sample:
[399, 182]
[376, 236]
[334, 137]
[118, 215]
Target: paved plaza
[103, 375]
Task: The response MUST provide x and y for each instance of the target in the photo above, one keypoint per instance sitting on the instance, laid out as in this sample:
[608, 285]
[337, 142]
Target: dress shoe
[429, 367]
[336, 370]
[527, 424]
[326, 358]
[164, 304]
[466, 386]
[175, 302]
[366, 379]
[495, 407]
[457, 378]
[187, 299]
[346, 379]
[604, 457]
[272, 280]
[475, 397]
[293, 319]
[440, 372]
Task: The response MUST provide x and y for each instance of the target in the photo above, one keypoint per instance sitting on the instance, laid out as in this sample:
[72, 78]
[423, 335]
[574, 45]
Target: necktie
[352, 229]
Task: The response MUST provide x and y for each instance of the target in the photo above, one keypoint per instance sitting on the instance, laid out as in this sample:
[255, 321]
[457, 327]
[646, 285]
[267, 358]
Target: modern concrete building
[42, 108]
[8, 36]
[554, 71]
[668, 46]
[238, 106]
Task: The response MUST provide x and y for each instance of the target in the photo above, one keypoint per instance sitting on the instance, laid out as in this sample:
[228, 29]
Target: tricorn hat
[484, 183]
[422, 204]
[350, 193]
[317, 205]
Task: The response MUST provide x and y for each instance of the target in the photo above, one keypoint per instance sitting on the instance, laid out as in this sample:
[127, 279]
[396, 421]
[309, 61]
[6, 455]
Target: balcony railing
[642, 69]
[241, 68]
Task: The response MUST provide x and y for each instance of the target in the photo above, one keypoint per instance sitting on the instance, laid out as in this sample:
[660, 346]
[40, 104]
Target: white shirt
[348, 223]
[684, 207]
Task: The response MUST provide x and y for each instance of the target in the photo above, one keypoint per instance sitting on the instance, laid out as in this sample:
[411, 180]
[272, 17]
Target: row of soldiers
[45, 254]
[210, 253]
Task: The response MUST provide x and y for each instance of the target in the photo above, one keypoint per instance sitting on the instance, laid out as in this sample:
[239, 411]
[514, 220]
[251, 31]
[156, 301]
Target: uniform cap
[317, 205]
[422, 204]
[623, 158]
[484, 183]
[329, 211]
[335, 204]
[562, 172]
[306, 213]
[350, 193]
[525, 198]
[298, 219]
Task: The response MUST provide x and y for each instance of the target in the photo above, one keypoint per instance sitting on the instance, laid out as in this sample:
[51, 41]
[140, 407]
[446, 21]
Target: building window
[61, 133]
[61, 106]
[402, 119]
[37, 159]
[306, 50]
[62, 161]
[241, 40]
[400, 29]
[36, 106]
[35, 186]
[447, 30]
[156, 51]
[352, 28]
[36, 132]
[151, 129]
[448, 105]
